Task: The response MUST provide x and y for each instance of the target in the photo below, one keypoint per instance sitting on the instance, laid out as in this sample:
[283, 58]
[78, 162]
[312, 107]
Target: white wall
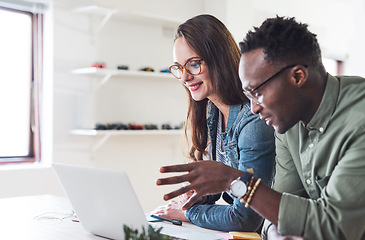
[355, 62]
[126, 41]
[331, 20]
[338, 23]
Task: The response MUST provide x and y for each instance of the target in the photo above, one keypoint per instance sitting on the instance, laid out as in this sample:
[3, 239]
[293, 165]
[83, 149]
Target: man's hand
[205, 177]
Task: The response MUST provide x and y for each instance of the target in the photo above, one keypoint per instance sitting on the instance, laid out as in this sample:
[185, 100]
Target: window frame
[35, 94]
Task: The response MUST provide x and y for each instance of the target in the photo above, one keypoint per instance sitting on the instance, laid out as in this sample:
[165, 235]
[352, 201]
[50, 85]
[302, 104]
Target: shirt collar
[234, 111]
[327, 106]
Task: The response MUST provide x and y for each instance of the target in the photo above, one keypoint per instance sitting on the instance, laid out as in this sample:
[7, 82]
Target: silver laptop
[103, 200]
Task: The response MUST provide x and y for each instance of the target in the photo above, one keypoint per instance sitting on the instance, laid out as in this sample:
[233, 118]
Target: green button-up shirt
[320, 167]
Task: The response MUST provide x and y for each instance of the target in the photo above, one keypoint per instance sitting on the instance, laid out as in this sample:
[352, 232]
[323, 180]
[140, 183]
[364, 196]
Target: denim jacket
[248, 143]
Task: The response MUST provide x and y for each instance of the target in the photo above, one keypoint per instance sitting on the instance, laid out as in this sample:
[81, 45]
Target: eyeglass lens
[193, 67]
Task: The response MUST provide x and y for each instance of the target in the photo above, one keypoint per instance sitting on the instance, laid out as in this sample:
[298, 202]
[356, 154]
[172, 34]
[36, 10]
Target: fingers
[161, 210]
[192, 200]
[176, 168]
[176, 193]
[172, 180]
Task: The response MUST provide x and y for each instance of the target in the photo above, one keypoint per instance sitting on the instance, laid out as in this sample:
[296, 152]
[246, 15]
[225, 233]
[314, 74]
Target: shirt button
[309, 181]
[311, 145]
[321, 129]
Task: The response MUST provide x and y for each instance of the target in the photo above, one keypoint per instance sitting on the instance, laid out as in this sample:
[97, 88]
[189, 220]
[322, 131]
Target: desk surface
[50, 217]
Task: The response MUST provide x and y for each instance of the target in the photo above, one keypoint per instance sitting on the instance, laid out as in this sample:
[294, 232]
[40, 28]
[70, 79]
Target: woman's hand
[173, 210]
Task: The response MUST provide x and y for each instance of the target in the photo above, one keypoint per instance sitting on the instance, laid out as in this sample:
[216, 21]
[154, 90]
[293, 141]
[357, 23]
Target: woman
[206, 61]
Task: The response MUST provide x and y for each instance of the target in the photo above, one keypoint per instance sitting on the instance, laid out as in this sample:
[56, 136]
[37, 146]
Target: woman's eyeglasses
[192, 66]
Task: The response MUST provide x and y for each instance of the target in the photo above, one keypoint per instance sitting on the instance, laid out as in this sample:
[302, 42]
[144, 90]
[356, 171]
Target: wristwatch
[239, 186]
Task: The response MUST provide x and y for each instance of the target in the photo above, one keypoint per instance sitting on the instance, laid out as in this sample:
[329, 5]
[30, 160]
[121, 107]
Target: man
[319, 190]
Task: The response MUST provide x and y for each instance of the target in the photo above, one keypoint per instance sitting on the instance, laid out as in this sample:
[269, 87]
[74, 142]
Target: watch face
[238, 188]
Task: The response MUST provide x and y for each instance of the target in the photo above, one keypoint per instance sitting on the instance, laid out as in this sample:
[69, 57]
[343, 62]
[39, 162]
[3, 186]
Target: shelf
[106, 134]
[151, 18]
[106, 74]
[93, 132]
[106, 13]
[130, 73]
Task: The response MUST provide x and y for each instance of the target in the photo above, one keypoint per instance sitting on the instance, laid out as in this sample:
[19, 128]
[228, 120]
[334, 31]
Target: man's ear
[299, 75]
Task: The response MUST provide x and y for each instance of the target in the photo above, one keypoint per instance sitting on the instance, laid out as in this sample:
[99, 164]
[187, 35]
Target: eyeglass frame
[251, 94]
[182, 67]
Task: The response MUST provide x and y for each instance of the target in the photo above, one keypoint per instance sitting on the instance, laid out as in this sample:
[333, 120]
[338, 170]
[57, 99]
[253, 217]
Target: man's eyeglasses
[192, 66]
[252, 94]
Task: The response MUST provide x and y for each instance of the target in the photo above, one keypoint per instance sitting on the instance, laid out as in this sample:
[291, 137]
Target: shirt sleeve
[286, 177]
[256, 147]
[339, 213]
[286, 174]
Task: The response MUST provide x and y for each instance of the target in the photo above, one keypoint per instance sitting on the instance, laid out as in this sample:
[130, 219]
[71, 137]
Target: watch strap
[246, 177]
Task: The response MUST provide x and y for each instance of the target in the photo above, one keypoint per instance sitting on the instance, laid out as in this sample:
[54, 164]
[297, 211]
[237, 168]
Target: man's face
[276, 101]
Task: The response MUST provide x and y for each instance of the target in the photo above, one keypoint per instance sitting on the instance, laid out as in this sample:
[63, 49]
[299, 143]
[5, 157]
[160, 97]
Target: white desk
[34, 218]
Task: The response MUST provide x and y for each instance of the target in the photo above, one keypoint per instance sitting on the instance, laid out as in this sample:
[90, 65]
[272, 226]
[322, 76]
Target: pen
[173, 221]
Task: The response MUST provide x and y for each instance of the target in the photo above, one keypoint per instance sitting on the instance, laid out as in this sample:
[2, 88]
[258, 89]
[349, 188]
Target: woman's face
[200, 85]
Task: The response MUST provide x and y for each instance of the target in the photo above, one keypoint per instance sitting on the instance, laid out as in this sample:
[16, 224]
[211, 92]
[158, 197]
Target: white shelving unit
[105, 74]
[102, 15]
[106, 14]
[106, 134]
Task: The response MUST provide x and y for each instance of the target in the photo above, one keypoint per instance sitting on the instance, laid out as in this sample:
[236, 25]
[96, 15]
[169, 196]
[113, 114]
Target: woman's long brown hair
[212, 41]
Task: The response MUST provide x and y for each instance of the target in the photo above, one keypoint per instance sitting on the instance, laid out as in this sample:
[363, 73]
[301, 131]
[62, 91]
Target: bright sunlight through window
[15, 83]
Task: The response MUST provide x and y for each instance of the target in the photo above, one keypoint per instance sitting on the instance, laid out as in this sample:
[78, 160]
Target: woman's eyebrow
[189, 59]
[186, 60]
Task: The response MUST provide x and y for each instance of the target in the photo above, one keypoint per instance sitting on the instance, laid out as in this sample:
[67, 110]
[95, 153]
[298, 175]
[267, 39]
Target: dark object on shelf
[147, 69]
[151, 126]
[98, 65]
[166, 126]
[100, 126]
[120, 126]
[122, 67]
[181, 126]
[166, 70]
[110, 126]
[135, 126]
[132, 126]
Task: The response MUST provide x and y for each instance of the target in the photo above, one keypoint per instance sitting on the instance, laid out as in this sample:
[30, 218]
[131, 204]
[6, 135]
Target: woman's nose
[186, 76]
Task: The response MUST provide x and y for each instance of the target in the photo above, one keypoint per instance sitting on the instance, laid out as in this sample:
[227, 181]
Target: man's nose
[255, 107]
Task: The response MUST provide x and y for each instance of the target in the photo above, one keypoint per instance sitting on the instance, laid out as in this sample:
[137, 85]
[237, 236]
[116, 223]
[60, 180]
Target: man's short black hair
[284, 40]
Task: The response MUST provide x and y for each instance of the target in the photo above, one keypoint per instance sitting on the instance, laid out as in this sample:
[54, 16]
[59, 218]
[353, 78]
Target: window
[20, 81]
[333, 67]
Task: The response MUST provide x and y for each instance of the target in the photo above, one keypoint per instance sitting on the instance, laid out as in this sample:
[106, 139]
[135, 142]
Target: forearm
[233, 217]
[266, 202]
